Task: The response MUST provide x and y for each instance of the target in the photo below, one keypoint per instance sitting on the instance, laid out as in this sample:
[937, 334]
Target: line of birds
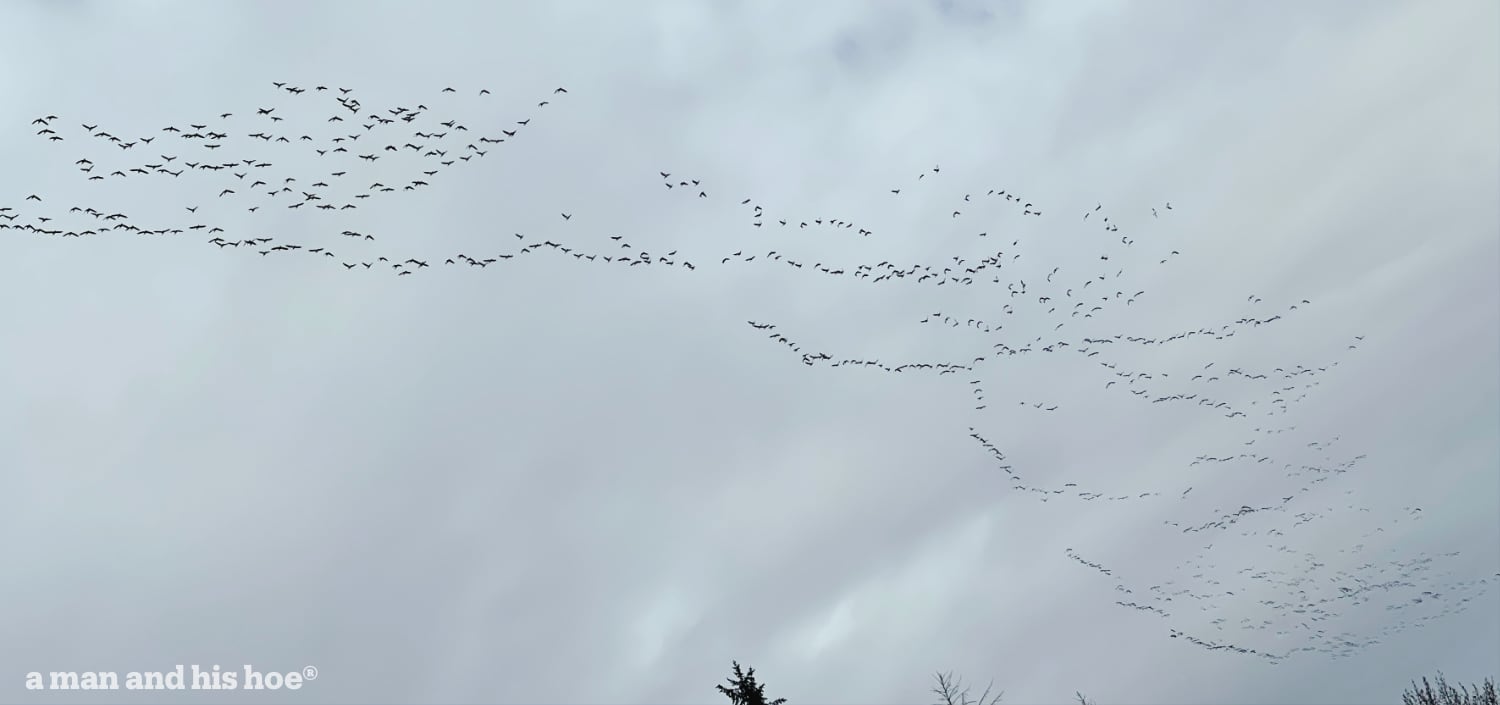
[1066, 315]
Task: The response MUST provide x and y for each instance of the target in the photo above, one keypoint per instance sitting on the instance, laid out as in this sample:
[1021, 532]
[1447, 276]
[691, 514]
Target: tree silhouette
[743, 690]
[1445, 694]
[952, 691]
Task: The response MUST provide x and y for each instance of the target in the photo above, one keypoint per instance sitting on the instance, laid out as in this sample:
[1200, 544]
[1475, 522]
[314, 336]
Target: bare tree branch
[948, 691]
[952, 691]
[1445, 694]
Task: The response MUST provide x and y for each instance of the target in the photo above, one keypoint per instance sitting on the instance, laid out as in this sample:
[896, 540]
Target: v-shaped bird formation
[319, 150]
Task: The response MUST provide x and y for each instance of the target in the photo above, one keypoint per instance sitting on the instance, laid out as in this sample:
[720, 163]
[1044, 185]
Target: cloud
[561, 481]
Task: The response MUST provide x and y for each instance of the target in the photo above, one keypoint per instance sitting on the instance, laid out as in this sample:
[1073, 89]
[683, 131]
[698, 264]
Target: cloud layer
[561, 481]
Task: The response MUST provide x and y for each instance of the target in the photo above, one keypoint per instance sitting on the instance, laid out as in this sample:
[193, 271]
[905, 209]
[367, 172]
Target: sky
[554, 479]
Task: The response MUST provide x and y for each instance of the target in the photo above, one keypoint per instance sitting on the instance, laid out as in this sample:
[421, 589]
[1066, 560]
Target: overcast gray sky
[560, 480]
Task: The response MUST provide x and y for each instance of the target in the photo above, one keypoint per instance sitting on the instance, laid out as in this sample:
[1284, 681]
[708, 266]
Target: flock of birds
[1062, 312]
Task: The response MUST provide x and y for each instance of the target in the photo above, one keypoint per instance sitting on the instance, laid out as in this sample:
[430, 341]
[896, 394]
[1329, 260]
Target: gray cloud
[570, 482]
